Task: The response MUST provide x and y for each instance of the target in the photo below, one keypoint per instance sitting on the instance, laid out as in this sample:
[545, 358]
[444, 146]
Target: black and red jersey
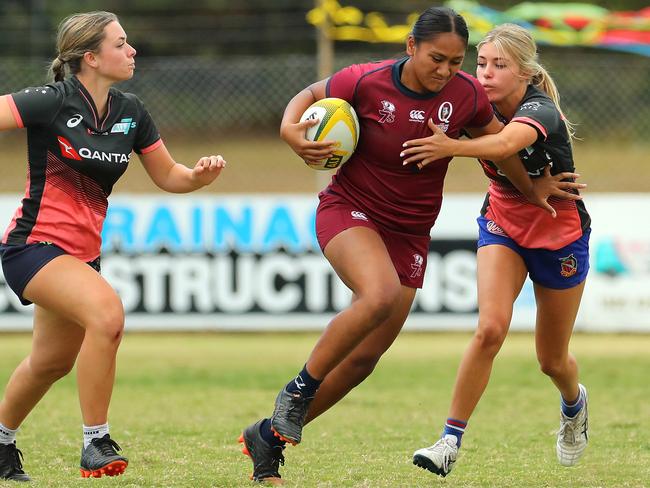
[74, 159]
[402, 198]
[528, 225]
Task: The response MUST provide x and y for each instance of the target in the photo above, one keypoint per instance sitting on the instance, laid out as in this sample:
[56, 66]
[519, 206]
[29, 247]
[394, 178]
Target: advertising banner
[251, 262]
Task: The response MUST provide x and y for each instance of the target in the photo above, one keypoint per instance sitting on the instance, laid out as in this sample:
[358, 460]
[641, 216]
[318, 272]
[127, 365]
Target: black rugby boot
[11, 466]
[101, 458]
[266, 458]
[289, 415]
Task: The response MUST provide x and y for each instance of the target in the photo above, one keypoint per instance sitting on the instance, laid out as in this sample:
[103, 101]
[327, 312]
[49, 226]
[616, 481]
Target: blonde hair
[520, 46]
[77, 35]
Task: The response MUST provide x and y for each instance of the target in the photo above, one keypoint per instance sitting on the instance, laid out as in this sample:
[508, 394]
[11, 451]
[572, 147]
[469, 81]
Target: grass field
[266, 164]
[181, 401]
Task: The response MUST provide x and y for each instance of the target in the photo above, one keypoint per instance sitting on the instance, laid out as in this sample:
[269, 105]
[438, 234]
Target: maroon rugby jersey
[528, 225]
[75, 157]
[401, 198]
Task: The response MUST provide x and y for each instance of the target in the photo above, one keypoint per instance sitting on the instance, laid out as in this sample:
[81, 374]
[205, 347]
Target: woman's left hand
[207, 169]
[552, 186]
[428, 149]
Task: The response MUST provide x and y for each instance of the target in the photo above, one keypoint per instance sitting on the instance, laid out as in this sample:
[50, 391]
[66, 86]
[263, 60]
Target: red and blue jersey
[401, 198]
[74, 159]
[528, 225]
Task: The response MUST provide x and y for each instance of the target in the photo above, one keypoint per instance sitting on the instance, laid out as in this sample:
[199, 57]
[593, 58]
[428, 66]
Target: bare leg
[359, 363]
[55, 345]
[72, 290]
[360, 258]
[556, 314]
[501, 274]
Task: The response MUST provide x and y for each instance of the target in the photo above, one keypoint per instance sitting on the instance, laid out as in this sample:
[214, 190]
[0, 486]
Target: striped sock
[456, 428]
[7, 435]
[571, 409]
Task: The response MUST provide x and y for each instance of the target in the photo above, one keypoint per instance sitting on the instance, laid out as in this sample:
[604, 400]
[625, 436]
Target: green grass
[181, 401]
[264, 164]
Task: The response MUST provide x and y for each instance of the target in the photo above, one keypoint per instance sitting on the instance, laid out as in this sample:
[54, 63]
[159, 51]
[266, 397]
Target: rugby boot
[101, 458]
[266, 458]
[572, 437]
[289, 415]
[439, 458]
[11, 466]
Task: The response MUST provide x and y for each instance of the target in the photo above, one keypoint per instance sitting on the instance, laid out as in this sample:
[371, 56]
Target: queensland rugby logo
[444, 115]
[387, 112]
[568, 266]
[416, 266]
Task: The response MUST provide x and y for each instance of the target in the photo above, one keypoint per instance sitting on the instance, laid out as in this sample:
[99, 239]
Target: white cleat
[440, 457]
[572, 437]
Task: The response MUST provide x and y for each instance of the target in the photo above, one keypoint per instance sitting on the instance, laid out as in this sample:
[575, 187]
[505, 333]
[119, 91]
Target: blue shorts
[560, 269]
[21, 262]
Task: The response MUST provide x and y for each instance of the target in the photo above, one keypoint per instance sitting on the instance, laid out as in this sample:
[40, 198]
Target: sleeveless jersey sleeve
[343, 84]
[37, 106]
[542, 115]
[147, 138]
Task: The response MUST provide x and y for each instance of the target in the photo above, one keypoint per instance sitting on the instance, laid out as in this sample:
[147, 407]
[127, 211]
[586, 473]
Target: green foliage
[181, 401]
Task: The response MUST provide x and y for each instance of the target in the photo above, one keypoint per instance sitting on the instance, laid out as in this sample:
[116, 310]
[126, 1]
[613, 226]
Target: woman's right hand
[309, 151]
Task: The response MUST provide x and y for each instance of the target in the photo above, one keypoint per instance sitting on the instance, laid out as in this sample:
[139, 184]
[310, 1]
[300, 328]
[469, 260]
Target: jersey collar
[88, 99]
[397, 81]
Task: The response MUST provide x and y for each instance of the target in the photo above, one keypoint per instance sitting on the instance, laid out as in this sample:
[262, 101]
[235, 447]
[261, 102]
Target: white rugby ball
[337, 122]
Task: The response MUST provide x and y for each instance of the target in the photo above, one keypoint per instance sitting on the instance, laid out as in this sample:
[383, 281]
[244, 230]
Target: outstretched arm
[173, 177]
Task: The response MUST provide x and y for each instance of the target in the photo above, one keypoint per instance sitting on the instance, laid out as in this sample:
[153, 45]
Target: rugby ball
[337, 122]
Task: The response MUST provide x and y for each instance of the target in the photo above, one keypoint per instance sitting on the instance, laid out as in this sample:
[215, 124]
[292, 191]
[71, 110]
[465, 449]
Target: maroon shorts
[407, 251]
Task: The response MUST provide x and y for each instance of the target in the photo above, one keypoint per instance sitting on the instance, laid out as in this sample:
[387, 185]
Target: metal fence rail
[606, 94]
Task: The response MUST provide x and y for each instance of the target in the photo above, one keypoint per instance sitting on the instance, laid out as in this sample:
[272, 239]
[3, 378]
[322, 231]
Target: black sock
[268, 435]
[304, 383]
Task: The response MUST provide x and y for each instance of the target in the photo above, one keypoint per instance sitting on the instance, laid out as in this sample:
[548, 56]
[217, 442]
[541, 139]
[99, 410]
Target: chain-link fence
[606, 94]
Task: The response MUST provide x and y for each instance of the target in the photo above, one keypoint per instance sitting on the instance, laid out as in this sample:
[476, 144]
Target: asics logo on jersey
[387, 112]
[67, 151]
[74, 120]
[356, 215]
[416, 266]
[416, 116]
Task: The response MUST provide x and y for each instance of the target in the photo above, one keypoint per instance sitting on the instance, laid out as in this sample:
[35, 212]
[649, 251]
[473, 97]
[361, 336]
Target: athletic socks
[456, 428]
[268, 435]
[571, 409]
[304, 384]
[7, 435]
[94, 432]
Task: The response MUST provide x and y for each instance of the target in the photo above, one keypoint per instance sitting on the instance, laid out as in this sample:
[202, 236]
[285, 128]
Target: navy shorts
[560, 269]
[408, 252]
[21, 262]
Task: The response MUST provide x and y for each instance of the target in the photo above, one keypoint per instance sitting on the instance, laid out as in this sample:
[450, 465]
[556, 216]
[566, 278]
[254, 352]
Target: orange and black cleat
[289, 415]
[100, 458]
[266, 458]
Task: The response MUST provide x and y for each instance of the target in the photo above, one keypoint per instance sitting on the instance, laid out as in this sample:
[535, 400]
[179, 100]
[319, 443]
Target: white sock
[94, 432]
[7, 435]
